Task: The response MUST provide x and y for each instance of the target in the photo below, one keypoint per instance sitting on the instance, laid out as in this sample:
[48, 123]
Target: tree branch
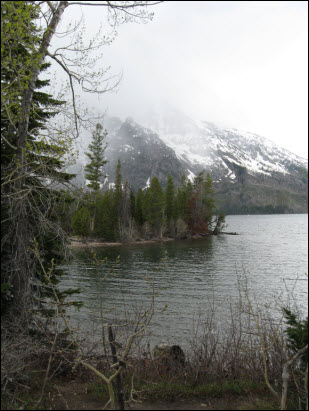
[115, 6]
[71, 85]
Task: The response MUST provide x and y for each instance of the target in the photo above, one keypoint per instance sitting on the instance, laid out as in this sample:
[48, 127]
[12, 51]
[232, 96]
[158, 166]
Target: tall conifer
[94, 168]
[154, 205]
[96, 156]
[30, 210]
[139, 208]
[170, 209]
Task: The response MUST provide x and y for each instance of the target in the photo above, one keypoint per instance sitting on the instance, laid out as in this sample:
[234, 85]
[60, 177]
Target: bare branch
[71, 85]
[7, 142]
[117, 6]
[285, 375]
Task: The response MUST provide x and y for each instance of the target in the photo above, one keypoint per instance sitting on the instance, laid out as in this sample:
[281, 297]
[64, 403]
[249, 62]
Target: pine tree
[154, 205]
[96, 156]
[124, 212]
[30, 204]
[117, 197]
[208, 199]
[118, 191]
[297, 334]
[105, 223]
[170, 209]
[81, 221]
[132, 204]
[138, 210]
[94, 168]
[201, 204]
[182, 201]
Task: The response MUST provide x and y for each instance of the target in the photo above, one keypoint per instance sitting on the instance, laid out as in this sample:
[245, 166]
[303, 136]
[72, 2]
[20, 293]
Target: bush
[297, 332]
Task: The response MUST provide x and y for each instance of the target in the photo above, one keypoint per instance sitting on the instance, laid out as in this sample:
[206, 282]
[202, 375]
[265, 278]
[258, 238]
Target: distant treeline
[251, 209]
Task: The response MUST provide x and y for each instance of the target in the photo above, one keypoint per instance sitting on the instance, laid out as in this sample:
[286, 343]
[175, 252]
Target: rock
[169, 354]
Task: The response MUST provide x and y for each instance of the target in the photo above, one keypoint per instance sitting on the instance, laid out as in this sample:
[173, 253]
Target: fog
[237, 64]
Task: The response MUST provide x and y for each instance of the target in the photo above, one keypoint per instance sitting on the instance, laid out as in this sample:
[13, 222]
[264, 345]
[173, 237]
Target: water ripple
[272, 250]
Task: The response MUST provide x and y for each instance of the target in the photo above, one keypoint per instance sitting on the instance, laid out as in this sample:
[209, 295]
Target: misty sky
[237, 64]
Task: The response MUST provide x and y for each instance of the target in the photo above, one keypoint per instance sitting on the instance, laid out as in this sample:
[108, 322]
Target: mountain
[251, 174]
[142, 153]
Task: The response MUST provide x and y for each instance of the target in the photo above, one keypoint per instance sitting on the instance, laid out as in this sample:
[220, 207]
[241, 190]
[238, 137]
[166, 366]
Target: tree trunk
[118, 383]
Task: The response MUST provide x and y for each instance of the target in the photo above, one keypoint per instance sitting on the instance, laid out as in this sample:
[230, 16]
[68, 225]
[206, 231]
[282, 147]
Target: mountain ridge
[250, 173]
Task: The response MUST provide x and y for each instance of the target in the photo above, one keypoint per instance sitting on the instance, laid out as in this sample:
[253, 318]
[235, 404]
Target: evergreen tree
[105, 220]
[297, 332]
[170, 206]
[182, 200]
[208, 200]
[94, 168]
[96, 156]
[30, 204]
[124, 209]
[118, 192]
[81, 221]
[132, 204]
[117, 197]
[154, 205]
[139, 205]
[201, 204]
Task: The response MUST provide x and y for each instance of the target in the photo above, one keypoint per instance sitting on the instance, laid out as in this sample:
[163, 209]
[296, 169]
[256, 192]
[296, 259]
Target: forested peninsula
[120, 215]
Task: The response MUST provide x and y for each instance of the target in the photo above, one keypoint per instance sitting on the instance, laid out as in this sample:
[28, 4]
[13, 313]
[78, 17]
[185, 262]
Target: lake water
[271, 249]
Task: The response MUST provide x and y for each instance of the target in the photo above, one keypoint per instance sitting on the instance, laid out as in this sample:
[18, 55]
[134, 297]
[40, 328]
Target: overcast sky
[237, 64]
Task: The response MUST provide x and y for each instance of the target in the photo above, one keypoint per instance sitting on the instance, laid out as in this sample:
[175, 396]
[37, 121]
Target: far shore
[82, 243]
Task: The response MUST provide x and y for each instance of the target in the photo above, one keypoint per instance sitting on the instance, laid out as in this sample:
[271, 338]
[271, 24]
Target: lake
[272, 250]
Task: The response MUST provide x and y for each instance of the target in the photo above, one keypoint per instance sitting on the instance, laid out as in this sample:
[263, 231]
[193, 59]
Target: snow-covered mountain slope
[251, 173]
[203, 144]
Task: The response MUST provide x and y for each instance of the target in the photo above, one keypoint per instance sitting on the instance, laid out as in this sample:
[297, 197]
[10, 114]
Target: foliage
[297, 332]
[201, 204]
[220, 223]
[105, 219]
[81, 222]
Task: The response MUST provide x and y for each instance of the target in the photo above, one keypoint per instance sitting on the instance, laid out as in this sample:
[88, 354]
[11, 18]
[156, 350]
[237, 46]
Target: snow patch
[127, 147]
[191, 176]
[147, 184]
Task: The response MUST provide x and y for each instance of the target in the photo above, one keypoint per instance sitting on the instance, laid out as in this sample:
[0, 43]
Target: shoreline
[78, 243]
[93, 243]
